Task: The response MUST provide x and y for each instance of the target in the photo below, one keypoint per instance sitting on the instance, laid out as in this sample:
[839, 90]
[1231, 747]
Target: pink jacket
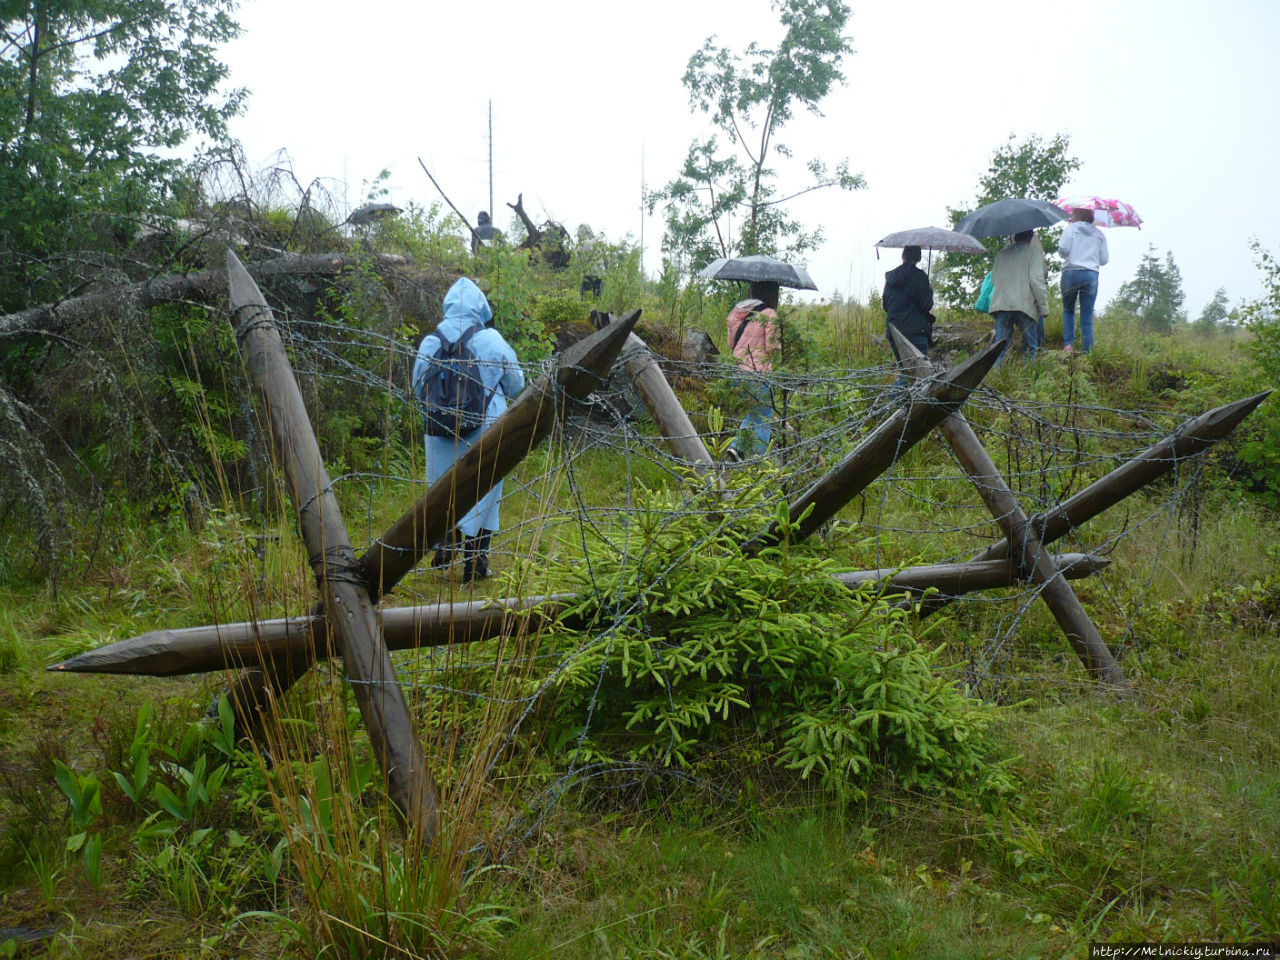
[759, 338]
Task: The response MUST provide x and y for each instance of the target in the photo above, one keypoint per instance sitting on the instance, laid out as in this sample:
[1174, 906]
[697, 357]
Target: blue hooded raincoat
[465, 306]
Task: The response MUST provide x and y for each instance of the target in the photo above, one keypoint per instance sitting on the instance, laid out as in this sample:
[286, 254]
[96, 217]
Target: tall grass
[1145, 819]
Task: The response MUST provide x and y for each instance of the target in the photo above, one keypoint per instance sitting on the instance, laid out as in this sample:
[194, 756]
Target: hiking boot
[446, 552]
[1067, 348]
[475, 563]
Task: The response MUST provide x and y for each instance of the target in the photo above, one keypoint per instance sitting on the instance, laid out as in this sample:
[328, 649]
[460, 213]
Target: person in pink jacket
[753, 339]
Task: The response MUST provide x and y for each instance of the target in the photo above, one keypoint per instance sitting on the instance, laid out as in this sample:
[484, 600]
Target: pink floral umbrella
[1106, 212]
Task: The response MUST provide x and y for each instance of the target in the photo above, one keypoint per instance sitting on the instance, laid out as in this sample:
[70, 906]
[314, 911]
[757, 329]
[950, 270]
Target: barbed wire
[922, 509]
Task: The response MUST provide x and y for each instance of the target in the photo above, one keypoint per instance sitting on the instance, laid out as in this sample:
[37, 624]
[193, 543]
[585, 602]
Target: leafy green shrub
[429, 235]
[553, 311]
[512, 285]
[704, 656]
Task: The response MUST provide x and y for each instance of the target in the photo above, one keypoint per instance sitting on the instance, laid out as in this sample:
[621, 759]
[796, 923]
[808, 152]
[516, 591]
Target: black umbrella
[1013, 215]
[758, 268]
[933, 238]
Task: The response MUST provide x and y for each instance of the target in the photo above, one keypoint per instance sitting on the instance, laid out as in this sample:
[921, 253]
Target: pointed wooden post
[674, 425]
[1033, 562]
[925, 408]
[347, 607]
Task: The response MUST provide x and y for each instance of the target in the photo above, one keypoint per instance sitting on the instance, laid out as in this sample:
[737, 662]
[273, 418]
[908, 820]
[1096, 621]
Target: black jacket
[908, 298]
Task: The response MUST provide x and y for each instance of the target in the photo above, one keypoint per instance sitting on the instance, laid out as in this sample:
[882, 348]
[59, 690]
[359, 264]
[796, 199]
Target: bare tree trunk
[205, 286]
[535, 235]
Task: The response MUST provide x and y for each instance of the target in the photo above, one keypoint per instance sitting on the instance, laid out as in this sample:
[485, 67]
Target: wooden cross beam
[348, 608]
[956, 579]
[1025, 546]
[234, 646]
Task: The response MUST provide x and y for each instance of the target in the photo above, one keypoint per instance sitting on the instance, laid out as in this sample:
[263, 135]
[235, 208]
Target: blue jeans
[1084, 285]
[759, 420]
[920, 342]
[1007, 320]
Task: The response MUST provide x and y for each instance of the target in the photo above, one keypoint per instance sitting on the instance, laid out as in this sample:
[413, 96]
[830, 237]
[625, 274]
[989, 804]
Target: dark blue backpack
[451, 393]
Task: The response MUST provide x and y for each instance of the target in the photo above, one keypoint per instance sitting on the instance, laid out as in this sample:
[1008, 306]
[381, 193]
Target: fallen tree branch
[204, 286]
[465, 222]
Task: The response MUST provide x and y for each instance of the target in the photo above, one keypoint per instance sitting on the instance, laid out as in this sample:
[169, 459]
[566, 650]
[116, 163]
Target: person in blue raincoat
[465, 306]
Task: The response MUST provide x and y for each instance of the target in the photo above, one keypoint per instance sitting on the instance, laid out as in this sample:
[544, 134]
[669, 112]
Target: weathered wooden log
[925, 408]
[347, 606]
[204, 286]
[1033, 562]
[674, 426]
[232, 646]
[1193, 437]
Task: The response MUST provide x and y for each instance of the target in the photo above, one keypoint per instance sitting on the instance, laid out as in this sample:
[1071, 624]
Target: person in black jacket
[485, 234]
[908, 298]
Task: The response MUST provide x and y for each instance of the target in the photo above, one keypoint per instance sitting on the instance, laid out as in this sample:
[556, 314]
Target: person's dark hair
[910, 254]
[1082, 215]
[1024, 237]
[766, 291]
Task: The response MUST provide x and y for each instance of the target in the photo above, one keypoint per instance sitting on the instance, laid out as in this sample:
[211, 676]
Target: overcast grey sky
[1171, 105]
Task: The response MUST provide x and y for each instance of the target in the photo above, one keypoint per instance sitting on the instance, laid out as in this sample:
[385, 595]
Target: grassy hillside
[132, 827]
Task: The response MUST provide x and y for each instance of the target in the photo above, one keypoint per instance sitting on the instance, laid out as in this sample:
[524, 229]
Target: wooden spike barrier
[503, 444]
[1033, 562]
[1194, 436]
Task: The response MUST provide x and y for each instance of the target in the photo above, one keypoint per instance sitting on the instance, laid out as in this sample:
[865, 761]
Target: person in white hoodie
[1083, 247]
